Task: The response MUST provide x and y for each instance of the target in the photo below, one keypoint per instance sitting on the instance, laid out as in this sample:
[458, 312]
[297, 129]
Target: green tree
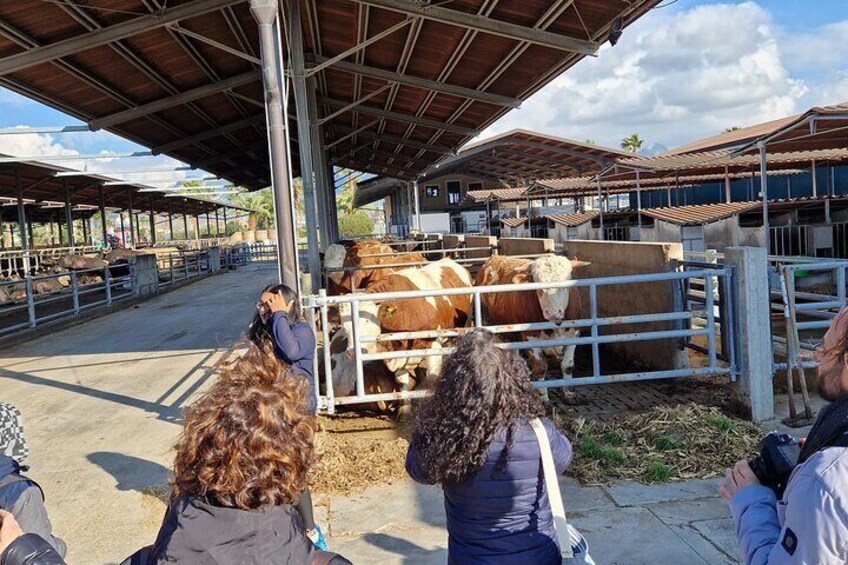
[632, 143]
[261, 206]
[356, 224]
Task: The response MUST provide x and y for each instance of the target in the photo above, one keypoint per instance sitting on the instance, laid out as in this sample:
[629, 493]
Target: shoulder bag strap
[552, 486]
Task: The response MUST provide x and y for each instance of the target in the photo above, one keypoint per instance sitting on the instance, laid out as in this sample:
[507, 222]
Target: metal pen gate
[681, 318]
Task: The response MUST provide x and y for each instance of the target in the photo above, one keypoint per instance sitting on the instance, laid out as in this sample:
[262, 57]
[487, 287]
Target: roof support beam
[350, 133]
[175, 100]
[406, 118]
[353, 104]
[432, 147]
[213, 43]
[358, 47]
[109, 34]
[487, 25]
[425, 84]
[387, 155]
[209, 134]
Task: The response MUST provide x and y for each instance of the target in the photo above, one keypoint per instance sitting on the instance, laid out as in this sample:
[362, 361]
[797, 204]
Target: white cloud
[45, 146]
[677, 77]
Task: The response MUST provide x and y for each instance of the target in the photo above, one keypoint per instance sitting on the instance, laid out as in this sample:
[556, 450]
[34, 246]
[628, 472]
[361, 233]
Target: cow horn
[580, 264]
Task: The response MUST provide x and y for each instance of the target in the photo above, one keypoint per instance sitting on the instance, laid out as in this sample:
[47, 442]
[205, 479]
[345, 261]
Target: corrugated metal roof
[700, 213]
[572, 220]
[717, 159]
[513, 222]
[497, 194]
[733, 138]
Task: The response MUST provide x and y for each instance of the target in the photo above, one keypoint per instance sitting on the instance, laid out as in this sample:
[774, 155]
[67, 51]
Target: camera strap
[830, 430]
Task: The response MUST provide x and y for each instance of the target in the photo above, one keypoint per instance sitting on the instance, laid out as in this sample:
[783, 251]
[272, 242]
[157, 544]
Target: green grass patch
[665, 443]
[613, 438]
[591, 448]
[658, 472]
[724, 423]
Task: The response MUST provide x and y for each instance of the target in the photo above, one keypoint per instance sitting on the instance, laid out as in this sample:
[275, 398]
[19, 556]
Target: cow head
[334, 258]
[553, 268]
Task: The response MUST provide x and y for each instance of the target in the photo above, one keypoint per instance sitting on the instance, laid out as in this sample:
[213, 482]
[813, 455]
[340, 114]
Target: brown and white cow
[377, 378]
[551, 305]
[412, 315]
[359, 255]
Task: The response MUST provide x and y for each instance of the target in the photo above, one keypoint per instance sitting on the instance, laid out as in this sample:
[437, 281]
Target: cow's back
[508, 307]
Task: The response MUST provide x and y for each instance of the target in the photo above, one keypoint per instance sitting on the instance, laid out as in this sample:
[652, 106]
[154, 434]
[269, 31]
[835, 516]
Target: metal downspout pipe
[265, 13]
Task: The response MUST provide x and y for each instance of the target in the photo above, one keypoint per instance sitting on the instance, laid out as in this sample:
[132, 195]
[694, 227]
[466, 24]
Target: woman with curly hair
[473, 437]
[241, 463]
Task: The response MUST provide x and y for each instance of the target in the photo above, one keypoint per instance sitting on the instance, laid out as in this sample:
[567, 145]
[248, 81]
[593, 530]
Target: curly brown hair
[249, 441]
[482, 389]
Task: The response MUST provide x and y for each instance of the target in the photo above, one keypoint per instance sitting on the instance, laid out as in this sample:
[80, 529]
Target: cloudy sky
[696, 67]
[682, 72]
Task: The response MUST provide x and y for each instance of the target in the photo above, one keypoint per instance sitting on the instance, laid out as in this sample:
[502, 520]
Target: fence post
[30, 302]
[753, 330]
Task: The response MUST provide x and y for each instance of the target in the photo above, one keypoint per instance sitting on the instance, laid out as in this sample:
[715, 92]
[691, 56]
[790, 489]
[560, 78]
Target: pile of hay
[357, 453]
[675, 443]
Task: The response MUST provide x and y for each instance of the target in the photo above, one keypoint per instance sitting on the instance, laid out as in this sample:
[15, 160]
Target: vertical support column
[197, 227]
[726, 185]
[86, 229]
[265, 13]
[813, 177]
[764, 188]
[226, 234]
[102, 202]
[601, 234]
[123, 230]
[152, 222]
[22, 222]
[319, 165]
[217, 224]
[208, 225]
[130, 216]
[185, 219]
[332, 209]
[417, 205]
[69, 220]
[171, 219]
[753, 330]
[31, 236]
[639, 204]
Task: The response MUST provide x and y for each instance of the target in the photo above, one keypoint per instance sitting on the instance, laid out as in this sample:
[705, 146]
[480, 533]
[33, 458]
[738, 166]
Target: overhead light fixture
[616, 31]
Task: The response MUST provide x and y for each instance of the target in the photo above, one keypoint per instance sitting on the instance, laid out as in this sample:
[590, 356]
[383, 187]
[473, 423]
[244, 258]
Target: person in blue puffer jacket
[473, 438]
[278, 326]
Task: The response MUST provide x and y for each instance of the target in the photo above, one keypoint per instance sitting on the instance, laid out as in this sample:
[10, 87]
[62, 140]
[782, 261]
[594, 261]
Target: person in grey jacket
[18, 548]
[809, 525]
[19, 494]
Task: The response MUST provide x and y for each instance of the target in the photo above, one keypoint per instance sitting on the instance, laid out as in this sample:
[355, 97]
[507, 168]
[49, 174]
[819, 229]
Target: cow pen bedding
[667, 443]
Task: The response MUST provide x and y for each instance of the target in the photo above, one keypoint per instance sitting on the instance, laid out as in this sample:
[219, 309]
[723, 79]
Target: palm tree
[632, 143]
[261, 206]
[345, 200]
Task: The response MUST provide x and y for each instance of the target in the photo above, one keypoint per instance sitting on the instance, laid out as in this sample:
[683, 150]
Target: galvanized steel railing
[321, 303]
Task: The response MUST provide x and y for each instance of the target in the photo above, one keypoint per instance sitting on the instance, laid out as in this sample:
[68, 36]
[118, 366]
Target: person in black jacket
[241, 463]
[18, 548]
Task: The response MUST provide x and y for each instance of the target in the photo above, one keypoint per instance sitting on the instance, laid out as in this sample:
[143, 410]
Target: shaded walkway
[100, 402]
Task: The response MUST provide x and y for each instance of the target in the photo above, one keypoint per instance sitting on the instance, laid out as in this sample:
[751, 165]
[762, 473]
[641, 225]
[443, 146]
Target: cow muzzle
[555, 316]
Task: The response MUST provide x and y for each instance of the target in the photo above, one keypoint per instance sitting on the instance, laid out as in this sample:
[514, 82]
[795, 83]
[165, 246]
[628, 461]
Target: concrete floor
[101, 403]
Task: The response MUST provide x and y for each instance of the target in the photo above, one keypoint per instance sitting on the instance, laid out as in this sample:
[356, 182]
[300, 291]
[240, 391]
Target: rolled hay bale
[236, 237]
[249, 236]
[261, 235]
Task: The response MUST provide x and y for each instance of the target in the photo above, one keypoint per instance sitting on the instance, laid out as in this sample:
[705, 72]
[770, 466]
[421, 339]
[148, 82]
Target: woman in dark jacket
[241, 463]
[18, 548]
[473, 437]
[278, 326]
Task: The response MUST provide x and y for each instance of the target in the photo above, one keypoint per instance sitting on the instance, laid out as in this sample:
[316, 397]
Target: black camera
[778, 457]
